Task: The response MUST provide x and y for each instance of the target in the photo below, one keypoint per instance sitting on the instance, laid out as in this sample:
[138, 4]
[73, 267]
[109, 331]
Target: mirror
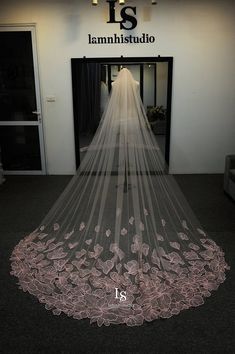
[92, 81]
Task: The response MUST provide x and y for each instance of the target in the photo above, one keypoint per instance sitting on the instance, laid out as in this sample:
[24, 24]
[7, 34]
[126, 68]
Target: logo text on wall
[127, 22]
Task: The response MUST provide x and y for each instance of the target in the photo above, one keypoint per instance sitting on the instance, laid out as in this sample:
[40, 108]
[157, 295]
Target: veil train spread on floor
[121, 244]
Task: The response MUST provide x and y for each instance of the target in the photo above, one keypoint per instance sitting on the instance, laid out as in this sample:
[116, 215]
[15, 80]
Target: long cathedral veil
[121, 244]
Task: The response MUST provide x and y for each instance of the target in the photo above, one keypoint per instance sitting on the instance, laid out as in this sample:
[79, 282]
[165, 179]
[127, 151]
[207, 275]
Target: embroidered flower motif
[105, 266]
[131, 220]
[52, 246]
[108, 232]
[113, 247]
[97, 251]
[141, 226]
[163, 222]
[137, 239]
[146, 212]
[68, 235]
[84, 272]
[175, 258]
[78, 264]
[56, 312]
[201, 232]
[193, 246]
[56, 227]
[159, 237]
[97, 228]
[59, 264]
[31, 236]
[182, 236]
[80, 254]
[207, 255]
[197, 301]
[190, 255]
[146, 267]
[145, 249]
[116, 250]
[123, 232]
[82, 226]
[175, 245]
[157, 287]
[88, 242]
[50, 241]
[41, 246]
[43, 263]
[69, 267]
[184, 224]
[57, 254]
[116, 277]
[72, 245]
[132, 267]
[42, 236]
[95, 272]
[136, 246]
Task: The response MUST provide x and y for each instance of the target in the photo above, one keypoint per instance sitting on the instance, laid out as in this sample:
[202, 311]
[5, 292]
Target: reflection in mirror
[92, 83]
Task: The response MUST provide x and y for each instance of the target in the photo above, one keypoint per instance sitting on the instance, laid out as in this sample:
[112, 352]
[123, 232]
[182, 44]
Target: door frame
[29, 28]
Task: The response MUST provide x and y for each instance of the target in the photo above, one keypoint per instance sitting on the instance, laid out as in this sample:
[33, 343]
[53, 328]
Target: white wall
[199, 34]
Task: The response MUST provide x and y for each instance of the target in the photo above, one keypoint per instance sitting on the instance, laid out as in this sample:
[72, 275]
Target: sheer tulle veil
[121, 244]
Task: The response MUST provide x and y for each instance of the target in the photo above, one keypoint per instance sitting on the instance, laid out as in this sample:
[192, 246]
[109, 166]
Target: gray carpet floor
[25, 325]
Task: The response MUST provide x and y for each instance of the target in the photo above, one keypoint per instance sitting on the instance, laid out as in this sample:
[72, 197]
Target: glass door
[21, 133]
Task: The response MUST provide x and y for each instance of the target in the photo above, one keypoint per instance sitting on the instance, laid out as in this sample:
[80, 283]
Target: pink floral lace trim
[114, 291]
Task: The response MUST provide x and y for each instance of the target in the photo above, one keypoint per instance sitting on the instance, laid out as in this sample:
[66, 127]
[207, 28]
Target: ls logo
[122, 294]
[124, 15]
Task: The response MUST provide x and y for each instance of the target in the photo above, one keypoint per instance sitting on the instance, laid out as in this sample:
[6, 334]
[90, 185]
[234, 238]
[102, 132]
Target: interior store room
[117, 176]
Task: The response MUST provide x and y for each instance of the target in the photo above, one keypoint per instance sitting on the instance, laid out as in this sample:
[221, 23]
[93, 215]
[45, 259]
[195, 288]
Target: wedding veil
[121, 244]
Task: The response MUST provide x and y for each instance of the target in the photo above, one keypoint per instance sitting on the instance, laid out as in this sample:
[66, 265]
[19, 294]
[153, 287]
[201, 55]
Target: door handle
[36, 112]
